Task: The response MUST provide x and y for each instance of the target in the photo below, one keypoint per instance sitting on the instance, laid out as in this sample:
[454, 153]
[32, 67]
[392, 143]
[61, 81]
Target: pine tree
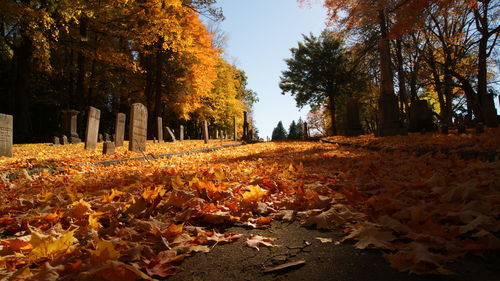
[279, 133]
[293, 132]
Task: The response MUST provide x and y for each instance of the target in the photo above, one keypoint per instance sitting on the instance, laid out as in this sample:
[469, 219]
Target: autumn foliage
[142, 219]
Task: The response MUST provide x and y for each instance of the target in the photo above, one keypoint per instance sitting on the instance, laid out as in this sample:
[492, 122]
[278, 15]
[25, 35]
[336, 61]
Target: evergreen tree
[279, 133]
[294, 131]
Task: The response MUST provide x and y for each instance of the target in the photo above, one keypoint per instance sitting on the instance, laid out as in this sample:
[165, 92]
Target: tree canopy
[319, 71]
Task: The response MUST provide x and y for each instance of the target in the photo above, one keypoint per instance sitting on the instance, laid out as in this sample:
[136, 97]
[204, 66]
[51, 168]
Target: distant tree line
[294, 132]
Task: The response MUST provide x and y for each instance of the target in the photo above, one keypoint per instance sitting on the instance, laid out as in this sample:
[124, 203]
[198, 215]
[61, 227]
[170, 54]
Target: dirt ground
[323, 261]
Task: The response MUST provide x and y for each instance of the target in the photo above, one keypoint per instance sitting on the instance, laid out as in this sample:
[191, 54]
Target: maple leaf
[48, 273]
[79, 209]
[45, 246]
[417, 258]
[110, 197]
[14, 245]
[104, 251]
[369, 235]
[256, 240]
[221, 238]
[161, 264]
[253, 193]
[114, 271]
[337, 215]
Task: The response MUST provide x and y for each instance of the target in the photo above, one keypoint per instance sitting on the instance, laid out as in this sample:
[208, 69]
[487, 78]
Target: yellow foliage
[45, 246]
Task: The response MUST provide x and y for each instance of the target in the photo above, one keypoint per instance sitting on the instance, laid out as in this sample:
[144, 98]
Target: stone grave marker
[64, 139]
[107, 137]
[159, 129]
[171, 134]
[69, 125]
[100, 138]
[235, 127]
[421, 116]
[181, 133]
[479, 128]
[92, 131]
[444, 130]
[245, 125]
[138, 127]
[205, 131]
[108, 148]
[352, 125]
[6, 134]
[55, 141]
[120, 129]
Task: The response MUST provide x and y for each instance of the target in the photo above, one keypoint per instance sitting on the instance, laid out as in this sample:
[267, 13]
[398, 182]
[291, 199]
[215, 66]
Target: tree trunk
[403, 96]
[487, 105]
[158, 88]
[388, 103]
[22, 123]
[331, 108]
[81, 61]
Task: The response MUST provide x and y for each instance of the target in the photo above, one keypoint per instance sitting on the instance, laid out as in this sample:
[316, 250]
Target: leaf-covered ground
[44, 155]
[142, 219]
[489, 141]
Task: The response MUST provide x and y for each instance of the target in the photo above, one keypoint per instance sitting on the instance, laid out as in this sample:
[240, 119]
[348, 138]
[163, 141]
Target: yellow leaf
[105, 250]
[46, 246]
[255, 192]
[177, 182]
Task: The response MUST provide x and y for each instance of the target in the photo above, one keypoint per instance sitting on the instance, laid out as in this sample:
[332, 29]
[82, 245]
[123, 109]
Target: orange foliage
[423, 210]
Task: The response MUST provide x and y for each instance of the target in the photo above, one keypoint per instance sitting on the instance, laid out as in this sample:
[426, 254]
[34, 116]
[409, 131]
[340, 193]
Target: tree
[279, 133]
[321, 69]
[293, 131]
[316, 121]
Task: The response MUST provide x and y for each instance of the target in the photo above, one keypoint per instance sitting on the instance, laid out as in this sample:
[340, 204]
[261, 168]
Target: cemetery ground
[414, 210]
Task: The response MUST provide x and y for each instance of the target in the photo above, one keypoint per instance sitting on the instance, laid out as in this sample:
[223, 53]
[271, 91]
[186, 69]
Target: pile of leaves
[141, 219]
[489, 141]
[30, 156]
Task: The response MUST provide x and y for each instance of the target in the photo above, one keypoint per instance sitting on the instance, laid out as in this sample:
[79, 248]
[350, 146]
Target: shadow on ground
[323, 261]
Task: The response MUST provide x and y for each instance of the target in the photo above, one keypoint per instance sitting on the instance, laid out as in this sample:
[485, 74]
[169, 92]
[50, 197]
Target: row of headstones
[137, 130]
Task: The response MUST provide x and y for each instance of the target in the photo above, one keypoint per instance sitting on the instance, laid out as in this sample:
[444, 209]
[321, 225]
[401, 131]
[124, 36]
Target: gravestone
[107, 137]
[108, 148]
[421, 117]
[205, 131]
[138, 127]
[352, 126]
[120, 129]
[171, 134]
[154, 139]
[245, 125]
[55, 141]
[69, 125]
[64, 139]
[6, 134]
[159, 129]
[100, 138]
[444, 130]
[181, 133]
[235, 128]
[92, 131]
[479, 128]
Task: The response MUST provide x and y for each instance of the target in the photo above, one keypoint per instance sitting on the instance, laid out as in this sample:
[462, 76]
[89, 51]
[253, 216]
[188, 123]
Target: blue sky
[261, 33]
